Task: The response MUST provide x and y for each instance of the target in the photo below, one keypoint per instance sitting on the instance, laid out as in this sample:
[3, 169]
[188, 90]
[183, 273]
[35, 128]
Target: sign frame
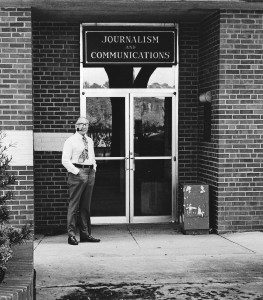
[125, 30]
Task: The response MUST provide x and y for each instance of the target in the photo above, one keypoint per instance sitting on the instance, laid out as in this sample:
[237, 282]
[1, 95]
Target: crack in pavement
[132, 236]
[237, 244]
[37, 241]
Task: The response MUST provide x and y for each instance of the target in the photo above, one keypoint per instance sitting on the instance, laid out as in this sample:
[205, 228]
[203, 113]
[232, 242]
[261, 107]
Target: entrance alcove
[123, 79]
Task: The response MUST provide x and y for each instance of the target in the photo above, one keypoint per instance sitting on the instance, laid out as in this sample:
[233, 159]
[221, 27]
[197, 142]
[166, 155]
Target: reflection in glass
[98, 78]
[152, 132]
[161, 78]
[95, 78]
[107, 125]
[108, 197]
[152, 187]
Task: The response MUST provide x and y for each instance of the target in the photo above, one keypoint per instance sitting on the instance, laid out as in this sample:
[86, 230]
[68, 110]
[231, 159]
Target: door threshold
[109, 220]
[136, 220]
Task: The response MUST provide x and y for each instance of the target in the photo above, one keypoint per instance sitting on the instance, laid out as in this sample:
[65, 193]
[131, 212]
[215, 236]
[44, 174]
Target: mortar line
[132, 236]
[237, 244]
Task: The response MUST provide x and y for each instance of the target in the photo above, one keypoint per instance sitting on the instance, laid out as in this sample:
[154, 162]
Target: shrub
[9, 235]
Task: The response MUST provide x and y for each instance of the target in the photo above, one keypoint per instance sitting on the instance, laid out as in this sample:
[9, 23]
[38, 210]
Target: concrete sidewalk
[152, 261]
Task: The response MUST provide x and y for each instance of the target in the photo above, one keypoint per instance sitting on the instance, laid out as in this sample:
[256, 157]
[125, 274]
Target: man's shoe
[89, 239]
[72, 240]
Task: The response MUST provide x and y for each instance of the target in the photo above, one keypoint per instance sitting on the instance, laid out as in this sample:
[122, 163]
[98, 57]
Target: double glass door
[134, 134]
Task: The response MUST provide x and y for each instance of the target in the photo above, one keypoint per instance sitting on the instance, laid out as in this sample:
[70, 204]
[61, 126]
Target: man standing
[79, 159]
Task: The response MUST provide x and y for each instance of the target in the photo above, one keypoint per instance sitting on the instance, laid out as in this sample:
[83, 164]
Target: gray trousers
[80, 192]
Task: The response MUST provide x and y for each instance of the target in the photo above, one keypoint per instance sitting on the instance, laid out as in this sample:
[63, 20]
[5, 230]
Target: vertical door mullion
[127, 160]
[175, 117]
[131, 155]
[174, 157]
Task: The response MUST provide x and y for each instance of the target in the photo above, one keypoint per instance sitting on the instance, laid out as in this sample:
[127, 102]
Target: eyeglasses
[83, 124]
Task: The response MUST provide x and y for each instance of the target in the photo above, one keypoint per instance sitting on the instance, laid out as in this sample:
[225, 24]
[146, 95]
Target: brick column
[16, 106]
[230, 66]
[240, 121]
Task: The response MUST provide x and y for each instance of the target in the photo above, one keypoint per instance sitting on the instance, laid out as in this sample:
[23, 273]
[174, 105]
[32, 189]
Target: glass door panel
[152, 126]
[109, 191]
[151, 157]
[107, 128]
[152, 187]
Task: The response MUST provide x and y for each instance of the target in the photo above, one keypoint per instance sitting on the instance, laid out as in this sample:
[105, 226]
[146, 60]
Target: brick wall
[56, 76]
[22, 203]
[240, 124]
[188, 102]
[51, 193]
[208, 154]
[16, 69]
[16, 105]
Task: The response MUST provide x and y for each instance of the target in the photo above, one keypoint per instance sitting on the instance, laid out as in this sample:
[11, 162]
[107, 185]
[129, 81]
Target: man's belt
[83, 166]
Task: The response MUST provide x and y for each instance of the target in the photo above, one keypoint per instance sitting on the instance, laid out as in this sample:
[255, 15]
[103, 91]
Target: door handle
[132, 164]
[127, 163]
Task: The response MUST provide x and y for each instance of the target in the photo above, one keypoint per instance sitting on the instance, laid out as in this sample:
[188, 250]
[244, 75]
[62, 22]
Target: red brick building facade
[220, 51]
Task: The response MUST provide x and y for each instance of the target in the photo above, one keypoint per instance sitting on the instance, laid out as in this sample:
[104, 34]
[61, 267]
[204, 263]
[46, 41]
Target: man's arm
[93, 155]
[66, 158]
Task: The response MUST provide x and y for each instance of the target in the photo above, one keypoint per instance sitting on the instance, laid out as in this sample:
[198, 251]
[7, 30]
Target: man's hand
[82, 175]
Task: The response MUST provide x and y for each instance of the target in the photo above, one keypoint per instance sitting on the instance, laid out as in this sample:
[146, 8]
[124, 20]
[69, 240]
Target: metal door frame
[129, 95]
[161, 93]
